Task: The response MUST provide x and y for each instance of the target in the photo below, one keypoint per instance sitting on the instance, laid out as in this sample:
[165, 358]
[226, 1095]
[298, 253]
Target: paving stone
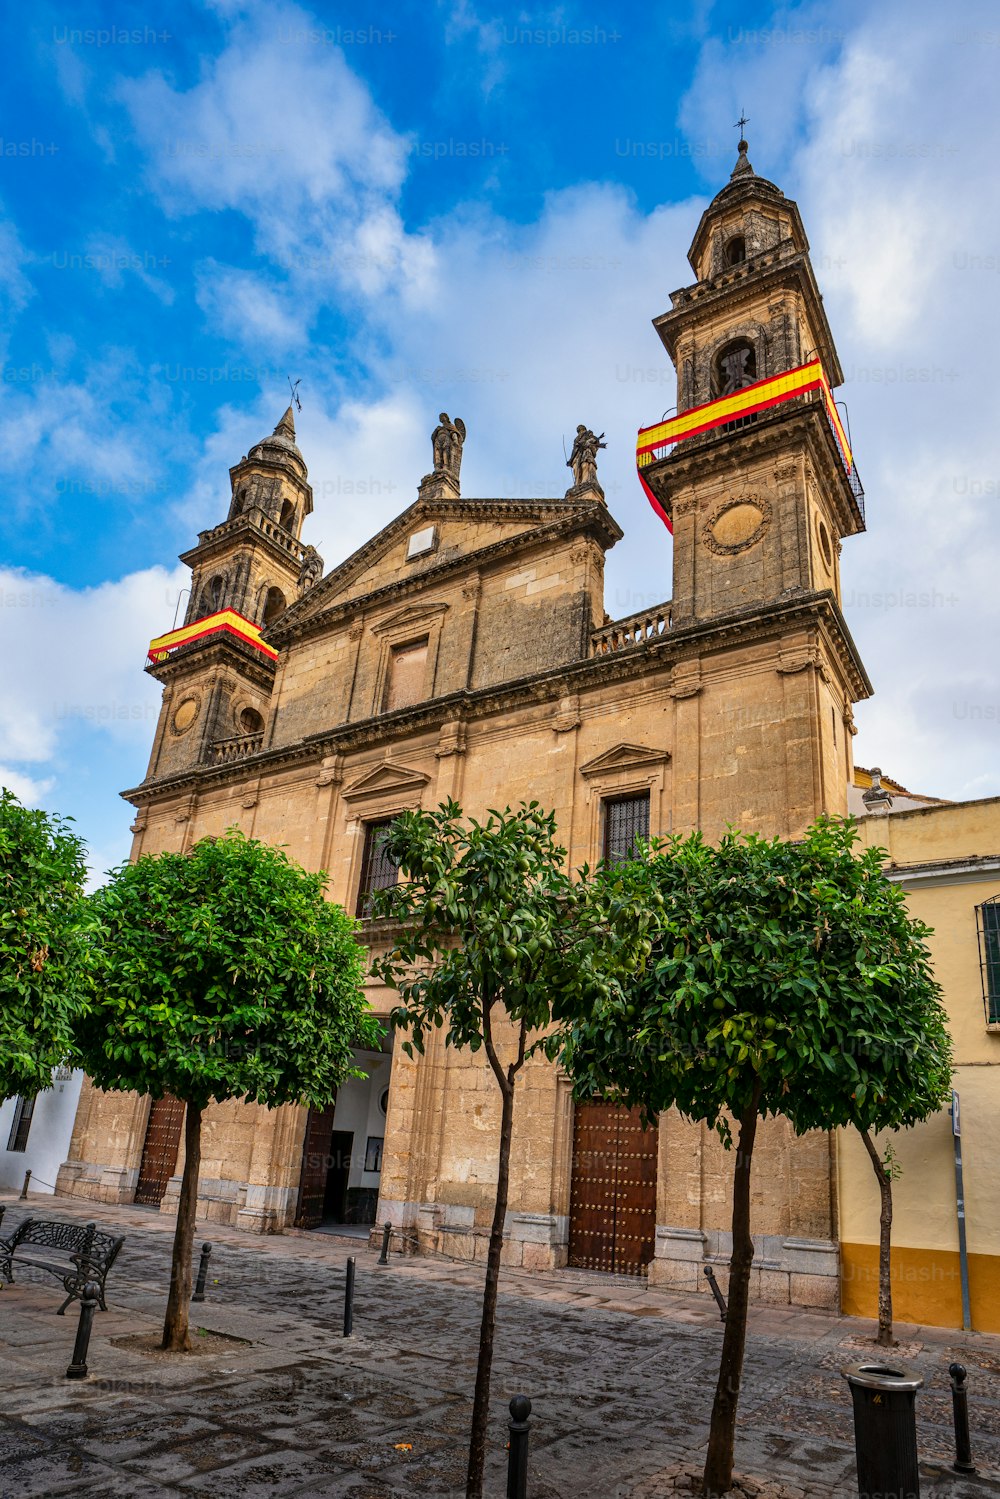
[621, 1378]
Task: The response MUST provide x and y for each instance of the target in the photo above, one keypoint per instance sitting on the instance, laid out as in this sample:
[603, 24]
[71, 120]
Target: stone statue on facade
[447, 439]
[311, 569]
[583, 459]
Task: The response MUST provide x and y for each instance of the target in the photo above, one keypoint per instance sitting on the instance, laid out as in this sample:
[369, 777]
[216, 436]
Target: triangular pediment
[624, 757]
[414, 614]
[464, 531]
[385, 779]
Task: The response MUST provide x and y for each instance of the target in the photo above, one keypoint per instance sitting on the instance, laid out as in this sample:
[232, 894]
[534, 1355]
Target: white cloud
[113, 258]
[73, 663]
[30, 792]
[241, 306]
[283, 132]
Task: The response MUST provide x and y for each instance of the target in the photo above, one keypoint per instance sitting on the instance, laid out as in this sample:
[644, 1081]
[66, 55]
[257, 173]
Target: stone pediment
[465, 530]
[415, 614]
[386, 779]
[624, 757]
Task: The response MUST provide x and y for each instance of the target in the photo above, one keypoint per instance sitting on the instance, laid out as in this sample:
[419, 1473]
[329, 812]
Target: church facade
[465, 652]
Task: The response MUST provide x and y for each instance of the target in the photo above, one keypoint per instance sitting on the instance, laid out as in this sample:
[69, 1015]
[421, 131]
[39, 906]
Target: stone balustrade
[238, 748]
[636, 629]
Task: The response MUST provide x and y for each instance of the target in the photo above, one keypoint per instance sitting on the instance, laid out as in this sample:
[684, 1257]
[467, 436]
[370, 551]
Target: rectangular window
[626, 818]
[988, 922]
[378, 872]
[23, 1110]
[407, 675]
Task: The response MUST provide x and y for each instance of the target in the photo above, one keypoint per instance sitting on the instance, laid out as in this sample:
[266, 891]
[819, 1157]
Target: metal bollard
[720, 1300]
[349, 1299]
[24, 1189]
[517, 1453]
[383, 1258]
[960, 1410]
[885, 1429]
[199, 1285]
[88, 1306]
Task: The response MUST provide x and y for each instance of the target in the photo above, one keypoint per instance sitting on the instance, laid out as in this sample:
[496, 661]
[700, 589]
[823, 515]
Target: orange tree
[496, 942]
[222, 973]
[785, 979]
[44, 946]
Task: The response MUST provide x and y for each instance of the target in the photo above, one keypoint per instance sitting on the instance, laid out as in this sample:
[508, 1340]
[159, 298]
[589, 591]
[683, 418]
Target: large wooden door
[159, 1151]
[315, 1165]
[612, 1222]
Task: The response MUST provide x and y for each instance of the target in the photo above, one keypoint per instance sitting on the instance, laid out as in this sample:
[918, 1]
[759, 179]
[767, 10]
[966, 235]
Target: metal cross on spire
[295, 392]
[741, 123]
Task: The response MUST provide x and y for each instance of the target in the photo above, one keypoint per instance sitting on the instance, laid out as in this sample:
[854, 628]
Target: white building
[35, 1133]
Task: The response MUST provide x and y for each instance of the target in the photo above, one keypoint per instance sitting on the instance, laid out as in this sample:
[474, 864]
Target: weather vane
[741, 123]
[295, 392]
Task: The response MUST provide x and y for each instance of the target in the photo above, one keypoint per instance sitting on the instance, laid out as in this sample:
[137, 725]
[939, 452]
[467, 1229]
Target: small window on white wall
[373, 1155]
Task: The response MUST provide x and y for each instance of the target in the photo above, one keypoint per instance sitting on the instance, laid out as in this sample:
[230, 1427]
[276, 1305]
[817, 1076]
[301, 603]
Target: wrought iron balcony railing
[806, 384]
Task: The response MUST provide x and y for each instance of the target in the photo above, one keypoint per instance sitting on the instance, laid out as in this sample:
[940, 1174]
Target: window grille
[626, 818]
[23, 1110]
[378, 869]
[988, 923]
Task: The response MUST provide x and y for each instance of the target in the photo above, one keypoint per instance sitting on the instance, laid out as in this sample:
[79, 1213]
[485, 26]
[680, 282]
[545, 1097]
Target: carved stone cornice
[218, 652]
[682, 646]
[331, 771]
[451, 740]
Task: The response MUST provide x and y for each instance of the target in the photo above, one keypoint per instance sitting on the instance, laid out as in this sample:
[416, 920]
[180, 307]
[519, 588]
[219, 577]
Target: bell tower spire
[755, 476]
[218, 666]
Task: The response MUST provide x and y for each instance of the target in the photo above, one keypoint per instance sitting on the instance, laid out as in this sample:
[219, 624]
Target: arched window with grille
[735, 367]
[988, 924]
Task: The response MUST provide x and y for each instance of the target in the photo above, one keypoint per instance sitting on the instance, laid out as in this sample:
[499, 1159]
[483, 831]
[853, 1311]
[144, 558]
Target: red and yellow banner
[226, 622]
[654, 442]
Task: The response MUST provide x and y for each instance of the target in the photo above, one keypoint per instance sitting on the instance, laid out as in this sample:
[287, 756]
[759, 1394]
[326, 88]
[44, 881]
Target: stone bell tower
[755, 476]
[755, 473]
[217, 668]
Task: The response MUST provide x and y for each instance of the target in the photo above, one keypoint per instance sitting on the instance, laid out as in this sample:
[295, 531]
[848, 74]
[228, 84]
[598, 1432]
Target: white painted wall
[358, 1111]
[48, 1137]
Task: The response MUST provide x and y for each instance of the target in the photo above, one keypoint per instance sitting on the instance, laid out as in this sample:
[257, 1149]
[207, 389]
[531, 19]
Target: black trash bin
[885, 1429]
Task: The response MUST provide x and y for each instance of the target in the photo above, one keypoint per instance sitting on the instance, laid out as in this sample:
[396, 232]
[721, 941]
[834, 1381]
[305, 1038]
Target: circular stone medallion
[185, 715]
[736, 524]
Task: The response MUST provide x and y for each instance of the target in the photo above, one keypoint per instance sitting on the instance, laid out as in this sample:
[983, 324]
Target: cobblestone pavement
[621, 1379]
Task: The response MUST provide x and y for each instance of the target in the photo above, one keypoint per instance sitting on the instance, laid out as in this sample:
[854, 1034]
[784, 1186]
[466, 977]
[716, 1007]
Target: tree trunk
[884, 1243]
[175, 1324]
[718, 1475]
[481, 1403]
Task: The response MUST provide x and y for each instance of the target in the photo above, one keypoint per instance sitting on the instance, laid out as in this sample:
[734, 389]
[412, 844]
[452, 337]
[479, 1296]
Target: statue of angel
[447, 439]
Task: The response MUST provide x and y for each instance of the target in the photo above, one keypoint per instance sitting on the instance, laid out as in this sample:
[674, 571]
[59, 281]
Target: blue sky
[442, 206]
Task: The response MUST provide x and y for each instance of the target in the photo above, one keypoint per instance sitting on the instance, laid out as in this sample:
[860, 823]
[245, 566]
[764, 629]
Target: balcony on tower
[755, 409]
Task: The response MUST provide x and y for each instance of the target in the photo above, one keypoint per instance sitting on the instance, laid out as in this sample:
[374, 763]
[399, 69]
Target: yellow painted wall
[926, 1279]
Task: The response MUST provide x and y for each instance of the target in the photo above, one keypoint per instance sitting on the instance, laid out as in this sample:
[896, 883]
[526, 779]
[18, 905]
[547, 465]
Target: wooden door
[315, 1165]
[159, 1151]
[612, 1223]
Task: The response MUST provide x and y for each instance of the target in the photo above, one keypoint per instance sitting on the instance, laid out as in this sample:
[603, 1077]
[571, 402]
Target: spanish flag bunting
[654, 441]
[226, 622]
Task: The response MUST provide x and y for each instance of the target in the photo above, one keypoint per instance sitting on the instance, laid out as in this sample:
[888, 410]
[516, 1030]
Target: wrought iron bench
[90, 1254]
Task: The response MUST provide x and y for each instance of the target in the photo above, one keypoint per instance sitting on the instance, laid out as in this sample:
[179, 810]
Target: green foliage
[44, 922]
[223, 973]
[489, 917]
[789, 968]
